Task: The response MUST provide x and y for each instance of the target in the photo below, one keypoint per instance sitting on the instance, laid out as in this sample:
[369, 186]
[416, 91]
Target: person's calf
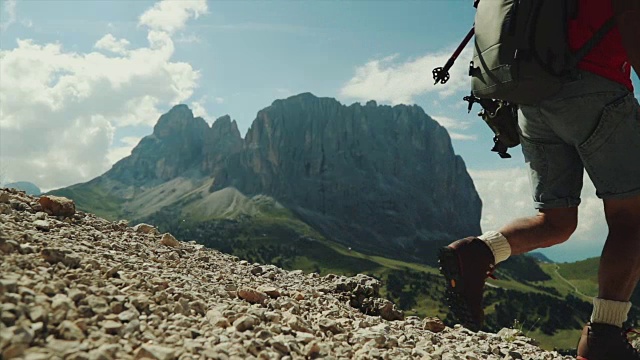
[620, 261]
[548, 228]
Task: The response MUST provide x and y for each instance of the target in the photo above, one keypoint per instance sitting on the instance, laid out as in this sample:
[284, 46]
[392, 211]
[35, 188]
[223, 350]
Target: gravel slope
[81, 287]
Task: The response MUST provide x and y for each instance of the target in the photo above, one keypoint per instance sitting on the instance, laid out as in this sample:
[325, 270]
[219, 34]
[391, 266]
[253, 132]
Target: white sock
[610, 312]
[498, 244]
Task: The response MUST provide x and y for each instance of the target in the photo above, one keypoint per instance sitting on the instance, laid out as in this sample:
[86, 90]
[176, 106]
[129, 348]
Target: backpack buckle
[473, 70]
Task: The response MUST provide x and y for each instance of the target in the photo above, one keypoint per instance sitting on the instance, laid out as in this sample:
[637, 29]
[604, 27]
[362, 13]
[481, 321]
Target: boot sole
[454, 294]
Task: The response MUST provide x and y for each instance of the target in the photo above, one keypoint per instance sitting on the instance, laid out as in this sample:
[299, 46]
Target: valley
[326, 188]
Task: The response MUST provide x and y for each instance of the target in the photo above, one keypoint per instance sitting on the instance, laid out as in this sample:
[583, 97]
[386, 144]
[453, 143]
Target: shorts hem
[558, 204]
[625, 195]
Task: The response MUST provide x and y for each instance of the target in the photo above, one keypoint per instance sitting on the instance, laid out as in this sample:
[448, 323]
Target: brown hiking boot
[466, 264]
[605, 342]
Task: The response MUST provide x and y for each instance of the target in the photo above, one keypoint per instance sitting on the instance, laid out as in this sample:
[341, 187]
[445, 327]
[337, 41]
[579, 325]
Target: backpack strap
[591, 43]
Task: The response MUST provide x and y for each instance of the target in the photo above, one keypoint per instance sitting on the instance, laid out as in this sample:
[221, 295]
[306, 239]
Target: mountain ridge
[378, 178]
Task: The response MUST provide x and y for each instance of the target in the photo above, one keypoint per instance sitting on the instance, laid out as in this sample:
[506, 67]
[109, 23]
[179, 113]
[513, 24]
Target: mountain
[383, 180]
[540, 257]
[327, 188]
[29, 188]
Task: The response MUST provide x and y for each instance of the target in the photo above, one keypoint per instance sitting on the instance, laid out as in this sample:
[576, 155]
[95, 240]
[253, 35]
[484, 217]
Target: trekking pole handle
[441, 74]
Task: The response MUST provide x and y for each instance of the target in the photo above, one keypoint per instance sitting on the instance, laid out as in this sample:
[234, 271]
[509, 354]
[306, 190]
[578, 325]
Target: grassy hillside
[547, 301]
[93, 198]
[582, 274]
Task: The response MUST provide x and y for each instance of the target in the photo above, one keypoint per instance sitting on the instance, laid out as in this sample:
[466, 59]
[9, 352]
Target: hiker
[592, 123]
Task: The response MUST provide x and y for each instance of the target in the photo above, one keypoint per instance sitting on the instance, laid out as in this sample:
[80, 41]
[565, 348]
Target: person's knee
[563, 223]
[623, 214]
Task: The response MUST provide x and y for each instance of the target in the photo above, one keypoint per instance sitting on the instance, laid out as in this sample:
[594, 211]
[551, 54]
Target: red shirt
[609, 58]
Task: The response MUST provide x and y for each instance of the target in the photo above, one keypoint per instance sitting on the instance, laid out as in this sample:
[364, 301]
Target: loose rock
[146, 229]
[169, 240]
[155, 352]
[57, 205]
[90, 289]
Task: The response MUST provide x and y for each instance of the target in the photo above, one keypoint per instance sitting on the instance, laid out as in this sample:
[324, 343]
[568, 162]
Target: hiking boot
[605, 342]
[466, 264]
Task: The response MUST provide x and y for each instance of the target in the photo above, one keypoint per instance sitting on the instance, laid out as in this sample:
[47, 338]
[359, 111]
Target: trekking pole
[441, 74]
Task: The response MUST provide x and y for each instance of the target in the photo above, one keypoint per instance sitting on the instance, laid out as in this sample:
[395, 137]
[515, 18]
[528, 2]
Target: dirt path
[575, 289]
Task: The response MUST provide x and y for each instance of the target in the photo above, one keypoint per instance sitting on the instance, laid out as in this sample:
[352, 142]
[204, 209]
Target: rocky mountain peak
[179, 121]
[305, 96]
[174, 149]
[223, 119]
[222, 141]
[380, 176]
[383, 179]
[224, 126]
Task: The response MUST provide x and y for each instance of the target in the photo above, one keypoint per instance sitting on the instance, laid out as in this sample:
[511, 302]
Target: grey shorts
[592, 124]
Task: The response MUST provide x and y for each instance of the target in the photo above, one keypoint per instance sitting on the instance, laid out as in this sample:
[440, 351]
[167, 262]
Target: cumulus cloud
[170, 16]
[506, 195]
[59, 109]
[453, 126]
[462, 137]
[118, 152]
[398, 82]
[198, 108]
[110, 43]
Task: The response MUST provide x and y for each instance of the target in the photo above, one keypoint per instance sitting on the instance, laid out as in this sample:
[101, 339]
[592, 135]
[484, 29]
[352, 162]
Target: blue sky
[83, 81]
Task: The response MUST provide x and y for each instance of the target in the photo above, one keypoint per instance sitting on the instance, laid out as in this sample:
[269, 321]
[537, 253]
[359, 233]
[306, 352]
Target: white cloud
[59, 109]
[8, 14]
[118, 152]
[462, 137]
[506, 195]
[110, 43]
[219, 100]
[172, 15]
[198, 108]
[396, 82]
[189, 39]
[453, 125]
[141, 110]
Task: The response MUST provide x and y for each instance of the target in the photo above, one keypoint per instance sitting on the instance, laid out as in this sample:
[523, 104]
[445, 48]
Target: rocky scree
[75, 286]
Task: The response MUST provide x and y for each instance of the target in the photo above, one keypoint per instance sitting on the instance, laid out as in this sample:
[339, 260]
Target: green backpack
[521, 56]
[521, 51]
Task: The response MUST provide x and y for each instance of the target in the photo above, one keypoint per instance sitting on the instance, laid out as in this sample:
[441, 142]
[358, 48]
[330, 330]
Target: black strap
[591, 43]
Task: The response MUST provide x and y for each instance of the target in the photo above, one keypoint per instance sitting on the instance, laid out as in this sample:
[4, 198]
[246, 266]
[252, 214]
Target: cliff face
[222, 141]
[180, 145]
[377, 176]
[382, 179]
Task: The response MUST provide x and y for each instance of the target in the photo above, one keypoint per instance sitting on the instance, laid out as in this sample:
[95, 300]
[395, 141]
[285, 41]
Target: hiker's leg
[620, 262]
[555, 173]
[619, 270]
[610, 153]
[549, 227]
